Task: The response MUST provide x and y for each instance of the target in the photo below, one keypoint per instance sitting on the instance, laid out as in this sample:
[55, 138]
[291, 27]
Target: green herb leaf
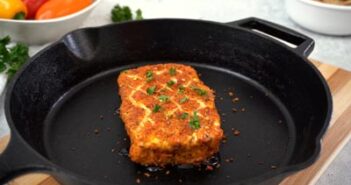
[2, 67]
[139, 15]
[11, 72]
[163, 98]
[120, 14]
[172, 71]
[149, 76]
[12, 58]
[170, 83]
[20, 16]
[156, 108]
[151, 90]
[195, 121]
[183, 100]
[4, 41]
[123, 13]
[181, 89]
[184, 115]
[199, 91]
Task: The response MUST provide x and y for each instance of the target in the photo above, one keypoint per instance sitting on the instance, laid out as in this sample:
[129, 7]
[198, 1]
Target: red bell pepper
[33, 6]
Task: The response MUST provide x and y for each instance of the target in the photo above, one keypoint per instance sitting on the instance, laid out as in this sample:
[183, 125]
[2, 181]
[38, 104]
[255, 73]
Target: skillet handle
[304, 44]
[18, 158]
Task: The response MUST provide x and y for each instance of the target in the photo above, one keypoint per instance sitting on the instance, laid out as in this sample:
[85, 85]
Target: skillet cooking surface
[84, 134]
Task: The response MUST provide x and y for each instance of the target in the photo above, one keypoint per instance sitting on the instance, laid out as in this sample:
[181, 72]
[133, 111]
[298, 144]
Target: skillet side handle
[304, 44]
[17, 159]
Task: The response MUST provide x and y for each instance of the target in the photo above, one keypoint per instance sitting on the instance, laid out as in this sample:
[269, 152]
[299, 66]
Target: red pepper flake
[235, 100]
[224, 139]
[147, 175]
[209, 168]
[236, 132]
[138, 181]
[229, 160]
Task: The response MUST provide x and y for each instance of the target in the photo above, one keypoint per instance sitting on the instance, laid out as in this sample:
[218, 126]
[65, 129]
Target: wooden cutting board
[336, 137]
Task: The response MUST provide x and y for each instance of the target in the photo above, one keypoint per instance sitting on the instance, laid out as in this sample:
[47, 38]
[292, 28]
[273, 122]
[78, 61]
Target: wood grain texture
[336, 137]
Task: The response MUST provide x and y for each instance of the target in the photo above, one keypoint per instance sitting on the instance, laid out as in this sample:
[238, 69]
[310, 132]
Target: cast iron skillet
[61, 106]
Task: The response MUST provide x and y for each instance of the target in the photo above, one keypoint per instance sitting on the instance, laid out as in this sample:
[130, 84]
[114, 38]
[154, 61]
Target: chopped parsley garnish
[151, 90]
[199, 91]
[149, 76]
[156, 108]
[194, 121]
[163, 98]
[170, 83]
[184, 115]
[183, 100]
[181, 89]
[172, 71]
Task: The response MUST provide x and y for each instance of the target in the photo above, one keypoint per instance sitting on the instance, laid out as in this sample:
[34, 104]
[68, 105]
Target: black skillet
[61, 106]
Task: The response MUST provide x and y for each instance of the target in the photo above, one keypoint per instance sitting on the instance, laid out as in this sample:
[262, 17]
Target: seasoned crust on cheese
[169, 114]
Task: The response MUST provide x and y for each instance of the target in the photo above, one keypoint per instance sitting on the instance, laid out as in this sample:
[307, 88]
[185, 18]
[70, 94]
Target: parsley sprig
[163, 98]
[199, 91]
[151, 90]
[12, 58]
[172, 71]
[156, 108]
[149, 76]
[195, 121]
[123, 13]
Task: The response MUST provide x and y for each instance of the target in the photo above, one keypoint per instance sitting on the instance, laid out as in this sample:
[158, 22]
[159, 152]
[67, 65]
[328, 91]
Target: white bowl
[43, 31]
[320, 17]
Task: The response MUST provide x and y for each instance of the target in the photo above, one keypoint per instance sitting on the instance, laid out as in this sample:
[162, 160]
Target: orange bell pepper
[12, 9]
[59, 8]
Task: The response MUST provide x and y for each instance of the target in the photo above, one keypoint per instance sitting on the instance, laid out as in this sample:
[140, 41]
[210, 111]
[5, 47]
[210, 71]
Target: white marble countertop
[328, 49]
